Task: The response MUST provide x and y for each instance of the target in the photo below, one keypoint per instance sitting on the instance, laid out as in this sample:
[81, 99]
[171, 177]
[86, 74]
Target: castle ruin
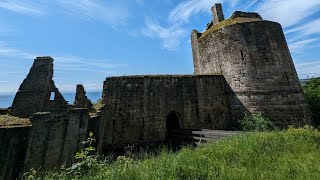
[241, 64]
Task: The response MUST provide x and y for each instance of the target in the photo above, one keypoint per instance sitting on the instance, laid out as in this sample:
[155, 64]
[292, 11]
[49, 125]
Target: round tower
[254, 58]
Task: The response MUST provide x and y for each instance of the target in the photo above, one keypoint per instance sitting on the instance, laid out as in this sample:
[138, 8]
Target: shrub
[312, 92]
[256, 122]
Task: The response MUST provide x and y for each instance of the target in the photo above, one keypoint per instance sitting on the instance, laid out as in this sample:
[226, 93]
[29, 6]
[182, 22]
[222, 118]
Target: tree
[312, 92]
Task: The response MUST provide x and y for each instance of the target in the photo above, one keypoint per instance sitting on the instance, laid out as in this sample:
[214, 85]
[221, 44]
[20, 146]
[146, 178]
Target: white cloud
[310, 28]
[104, 11]
[183, 11]
[288, 12]
[109, 13]
[62, 62]
[309, 69]
[304, 36]
[170, 36]
[8, 51]
[251, 4]
[233, 3]
[22, 7]
[74, 63]
[174, 33]
[301, 45]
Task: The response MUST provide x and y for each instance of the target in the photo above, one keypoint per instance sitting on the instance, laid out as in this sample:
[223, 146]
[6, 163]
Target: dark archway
[173, 121]
[173, 125]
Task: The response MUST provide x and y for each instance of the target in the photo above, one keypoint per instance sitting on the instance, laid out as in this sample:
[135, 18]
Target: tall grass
[292, 154]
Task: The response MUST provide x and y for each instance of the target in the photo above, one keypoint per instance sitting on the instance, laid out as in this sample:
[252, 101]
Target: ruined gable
[36, 90]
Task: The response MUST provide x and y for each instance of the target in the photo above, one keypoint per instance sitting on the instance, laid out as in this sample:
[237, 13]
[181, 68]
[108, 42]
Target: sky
[93, 39]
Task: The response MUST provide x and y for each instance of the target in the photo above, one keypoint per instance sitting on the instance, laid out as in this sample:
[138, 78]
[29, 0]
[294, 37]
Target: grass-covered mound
[293, 154]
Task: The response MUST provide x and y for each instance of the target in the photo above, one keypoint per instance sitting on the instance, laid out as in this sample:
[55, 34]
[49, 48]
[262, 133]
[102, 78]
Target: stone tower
[253, 56]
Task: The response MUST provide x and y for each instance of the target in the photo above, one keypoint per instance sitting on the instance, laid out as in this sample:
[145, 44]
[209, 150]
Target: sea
[6, 99]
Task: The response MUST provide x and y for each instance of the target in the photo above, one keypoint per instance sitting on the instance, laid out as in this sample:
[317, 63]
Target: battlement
[44, 58]
[240, 14]
[217, 13]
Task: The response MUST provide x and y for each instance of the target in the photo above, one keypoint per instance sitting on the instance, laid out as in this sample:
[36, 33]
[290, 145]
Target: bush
[256, 122]
[312, 92]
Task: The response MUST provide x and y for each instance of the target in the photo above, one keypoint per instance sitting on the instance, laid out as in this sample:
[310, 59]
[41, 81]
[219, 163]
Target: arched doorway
[172, 123]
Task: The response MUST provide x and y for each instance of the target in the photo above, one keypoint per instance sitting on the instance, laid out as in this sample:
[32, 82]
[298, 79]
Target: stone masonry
[81, 100]
[253, 56]
[35, 91]
[55, 139]
[241, 65]
[137, 107]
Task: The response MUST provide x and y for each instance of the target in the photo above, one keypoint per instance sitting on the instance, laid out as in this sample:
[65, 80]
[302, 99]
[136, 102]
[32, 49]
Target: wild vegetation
[256, 122]
[312, 93]
[290, 154]
[11, 121]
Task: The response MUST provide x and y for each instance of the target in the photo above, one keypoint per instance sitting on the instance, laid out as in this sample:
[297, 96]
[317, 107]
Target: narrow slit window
[52, 95]
[286, 75]
[242, 56]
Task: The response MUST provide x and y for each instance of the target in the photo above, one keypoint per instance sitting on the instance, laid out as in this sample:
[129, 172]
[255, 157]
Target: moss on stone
[164, 76]
[228, 22]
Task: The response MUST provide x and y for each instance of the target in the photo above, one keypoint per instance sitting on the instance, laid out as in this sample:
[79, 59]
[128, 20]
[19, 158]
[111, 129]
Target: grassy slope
[277, 155]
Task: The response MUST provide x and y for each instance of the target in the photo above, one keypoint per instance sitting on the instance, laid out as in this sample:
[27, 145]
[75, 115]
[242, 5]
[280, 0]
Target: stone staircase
[199, 136]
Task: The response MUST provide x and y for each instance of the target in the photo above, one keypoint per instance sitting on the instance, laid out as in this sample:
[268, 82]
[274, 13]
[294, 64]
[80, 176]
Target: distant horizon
[6, 99]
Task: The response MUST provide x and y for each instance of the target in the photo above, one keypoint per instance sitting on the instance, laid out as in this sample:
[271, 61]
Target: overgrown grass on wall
[291, 154]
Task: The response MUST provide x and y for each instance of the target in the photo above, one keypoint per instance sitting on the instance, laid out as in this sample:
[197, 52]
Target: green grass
[293, 154]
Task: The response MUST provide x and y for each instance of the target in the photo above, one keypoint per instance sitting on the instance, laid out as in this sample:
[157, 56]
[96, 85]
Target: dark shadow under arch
[172, 121]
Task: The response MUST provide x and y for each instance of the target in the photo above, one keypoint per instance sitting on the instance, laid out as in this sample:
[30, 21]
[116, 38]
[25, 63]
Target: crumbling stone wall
[55, 139]
[137, 107]
[81, 100]
[13, 145]
[4, 111]
[35, 91]
[254, 58]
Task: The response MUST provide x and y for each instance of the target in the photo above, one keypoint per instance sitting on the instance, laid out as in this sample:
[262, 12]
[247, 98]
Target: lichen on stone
[228, 22]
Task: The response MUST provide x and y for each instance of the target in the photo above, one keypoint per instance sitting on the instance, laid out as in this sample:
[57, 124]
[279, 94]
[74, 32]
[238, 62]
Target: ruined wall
[55, 139]
[13, 143]
[35, 91]
[136, 107]
[254, 58]
[81, 100]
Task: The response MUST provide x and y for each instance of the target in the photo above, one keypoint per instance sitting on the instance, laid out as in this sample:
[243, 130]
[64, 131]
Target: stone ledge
[164, 76]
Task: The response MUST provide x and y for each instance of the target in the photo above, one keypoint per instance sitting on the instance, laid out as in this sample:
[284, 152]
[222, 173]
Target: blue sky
[93, 39]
